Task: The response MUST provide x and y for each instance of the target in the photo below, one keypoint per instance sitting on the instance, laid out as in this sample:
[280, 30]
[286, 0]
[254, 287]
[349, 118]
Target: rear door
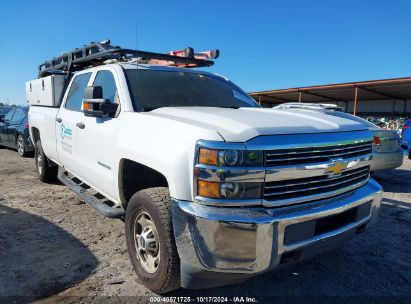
[66, 123]
[13, 127]
[4, 141]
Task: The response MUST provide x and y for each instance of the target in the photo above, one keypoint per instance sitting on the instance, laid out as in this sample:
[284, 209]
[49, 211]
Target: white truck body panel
[44, 120]
[240, 125]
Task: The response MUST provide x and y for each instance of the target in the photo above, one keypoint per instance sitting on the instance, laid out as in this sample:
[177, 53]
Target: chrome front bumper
[385, 161]
[219, 246]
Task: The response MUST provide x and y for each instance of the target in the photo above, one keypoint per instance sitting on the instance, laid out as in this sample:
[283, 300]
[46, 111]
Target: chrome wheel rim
[146, 242]
[20, 145]
[40, 163]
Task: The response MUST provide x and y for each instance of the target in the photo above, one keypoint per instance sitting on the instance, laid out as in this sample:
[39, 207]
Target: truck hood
[240, 125]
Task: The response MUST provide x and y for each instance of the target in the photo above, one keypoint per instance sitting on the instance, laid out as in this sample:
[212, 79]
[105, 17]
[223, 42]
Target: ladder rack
[97, 53]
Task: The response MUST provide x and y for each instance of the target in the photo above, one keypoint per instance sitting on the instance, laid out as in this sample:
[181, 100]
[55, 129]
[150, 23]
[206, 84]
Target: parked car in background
[3, 111]
[14, 131]
[387, 153]
[312, 106]
[406, 138]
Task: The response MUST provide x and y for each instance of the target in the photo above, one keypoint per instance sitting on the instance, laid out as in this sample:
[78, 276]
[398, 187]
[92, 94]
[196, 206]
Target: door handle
[59, 120]
[80, 125]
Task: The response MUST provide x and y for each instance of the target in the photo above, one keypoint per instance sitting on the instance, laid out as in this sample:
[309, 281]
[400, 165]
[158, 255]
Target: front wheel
[46, 171]
[21, 148]
[150, 240]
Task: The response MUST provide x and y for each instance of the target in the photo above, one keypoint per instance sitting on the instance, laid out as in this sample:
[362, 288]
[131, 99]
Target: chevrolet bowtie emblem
[336, 168]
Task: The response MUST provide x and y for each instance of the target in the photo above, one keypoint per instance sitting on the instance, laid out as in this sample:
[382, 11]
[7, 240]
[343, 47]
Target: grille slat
[317, 149]
[313, 180]
[367, 150]
[315, 154]
[309, 188]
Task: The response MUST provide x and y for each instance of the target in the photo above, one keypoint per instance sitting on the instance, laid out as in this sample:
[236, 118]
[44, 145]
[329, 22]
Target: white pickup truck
[213, 188]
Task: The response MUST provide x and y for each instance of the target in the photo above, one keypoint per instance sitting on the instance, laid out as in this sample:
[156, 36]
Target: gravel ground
[53, 247]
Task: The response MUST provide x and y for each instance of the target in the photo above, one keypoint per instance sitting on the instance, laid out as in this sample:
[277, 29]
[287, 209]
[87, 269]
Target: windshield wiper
[148, 109]
[230, 107]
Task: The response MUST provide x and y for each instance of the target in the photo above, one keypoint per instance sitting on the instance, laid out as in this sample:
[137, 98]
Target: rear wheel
[46, 170]
[21, 149]
[150, 240]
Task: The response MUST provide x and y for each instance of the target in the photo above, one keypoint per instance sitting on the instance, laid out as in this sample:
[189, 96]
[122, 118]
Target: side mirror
[95, 105]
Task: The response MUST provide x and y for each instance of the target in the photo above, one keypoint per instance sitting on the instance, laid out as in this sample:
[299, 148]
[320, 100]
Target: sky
[264, 44]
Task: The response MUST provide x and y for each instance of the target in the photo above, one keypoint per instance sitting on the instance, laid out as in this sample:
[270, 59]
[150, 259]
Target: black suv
[14, 131]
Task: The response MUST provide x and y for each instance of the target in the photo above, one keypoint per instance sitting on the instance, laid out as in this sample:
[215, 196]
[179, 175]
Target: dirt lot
[53, 247]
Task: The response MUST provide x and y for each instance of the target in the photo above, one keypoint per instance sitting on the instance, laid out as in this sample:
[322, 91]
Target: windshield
[152, 89]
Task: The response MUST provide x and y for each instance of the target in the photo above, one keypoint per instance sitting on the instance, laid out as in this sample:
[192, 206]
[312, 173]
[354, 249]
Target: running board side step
[96, 200]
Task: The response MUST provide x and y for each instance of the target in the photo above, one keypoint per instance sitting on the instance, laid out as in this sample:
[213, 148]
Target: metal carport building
[385, 97]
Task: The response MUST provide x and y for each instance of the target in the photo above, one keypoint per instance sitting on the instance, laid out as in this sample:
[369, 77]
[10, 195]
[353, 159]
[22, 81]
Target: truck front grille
[315, 154]
[316, 185]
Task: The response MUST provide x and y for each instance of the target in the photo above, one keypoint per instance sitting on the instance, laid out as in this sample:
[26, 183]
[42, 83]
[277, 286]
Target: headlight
[230, 158]
[228, 173]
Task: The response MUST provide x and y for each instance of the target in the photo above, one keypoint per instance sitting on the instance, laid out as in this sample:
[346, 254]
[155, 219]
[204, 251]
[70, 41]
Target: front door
[96, 140]
[66, 124]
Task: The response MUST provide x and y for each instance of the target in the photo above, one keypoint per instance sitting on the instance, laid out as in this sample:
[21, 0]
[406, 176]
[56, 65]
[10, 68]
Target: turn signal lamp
[208, 157]
[208, 189]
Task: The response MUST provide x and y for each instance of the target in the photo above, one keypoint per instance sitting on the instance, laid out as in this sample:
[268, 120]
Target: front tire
[46, 171]
[150, 240]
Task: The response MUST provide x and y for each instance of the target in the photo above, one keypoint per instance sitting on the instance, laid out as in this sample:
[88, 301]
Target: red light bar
[187, 53]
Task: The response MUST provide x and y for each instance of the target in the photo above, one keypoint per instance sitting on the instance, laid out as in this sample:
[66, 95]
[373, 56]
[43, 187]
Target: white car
[214, 189]
[387, 153]
[311, 106]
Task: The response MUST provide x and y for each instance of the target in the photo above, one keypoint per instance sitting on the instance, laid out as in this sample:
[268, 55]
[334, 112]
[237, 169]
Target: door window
[105, 79]
[76, 93]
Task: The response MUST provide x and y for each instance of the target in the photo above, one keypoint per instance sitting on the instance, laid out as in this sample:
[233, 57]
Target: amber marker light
[86, 106]
[208, 156]
[208, 189]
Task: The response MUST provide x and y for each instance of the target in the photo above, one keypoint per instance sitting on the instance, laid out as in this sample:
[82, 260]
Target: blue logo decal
[65, 132]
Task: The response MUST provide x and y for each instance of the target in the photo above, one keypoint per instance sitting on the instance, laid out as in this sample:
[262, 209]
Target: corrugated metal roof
[384, 89]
